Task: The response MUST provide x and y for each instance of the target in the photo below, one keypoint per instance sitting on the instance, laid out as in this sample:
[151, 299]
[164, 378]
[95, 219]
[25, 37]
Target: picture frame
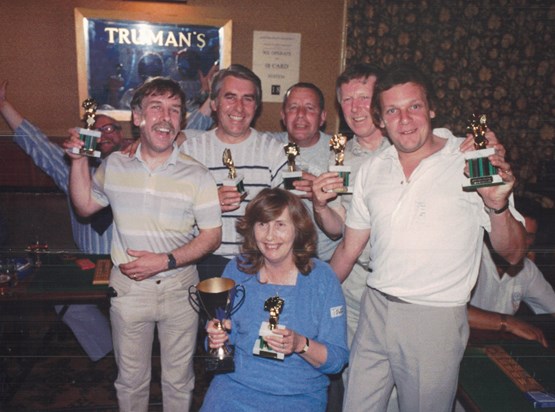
[117, 50]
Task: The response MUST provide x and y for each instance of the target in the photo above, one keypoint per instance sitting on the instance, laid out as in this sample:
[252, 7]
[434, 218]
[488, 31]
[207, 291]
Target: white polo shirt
[426, 232]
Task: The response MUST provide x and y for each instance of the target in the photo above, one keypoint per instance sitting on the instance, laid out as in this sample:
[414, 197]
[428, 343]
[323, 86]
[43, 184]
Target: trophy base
[345, 173]
[237, 182]
[289, 178]
[82, 152]
[216, 364]
[90, 139]
[260, 347]
[482, 172]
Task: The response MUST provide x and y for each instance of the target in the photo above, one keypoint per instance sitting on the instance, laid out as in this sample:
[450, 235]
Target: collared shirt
[504, 294]
[426, 232]
[156, 210]
[50, 158]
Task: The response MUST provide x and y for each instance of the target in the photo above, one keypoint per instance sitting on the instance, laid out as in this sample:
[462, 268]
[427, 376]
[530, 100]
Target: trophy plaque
[292, 174]
[274, 305]
[88, 136]
[481, 172]
[217, 299]
[337, 144]
[232, 178]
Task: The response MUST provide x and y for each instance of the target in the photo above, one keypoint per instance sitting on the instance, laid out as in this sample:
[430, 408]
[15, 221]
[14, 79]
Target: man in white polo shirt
[426, 237]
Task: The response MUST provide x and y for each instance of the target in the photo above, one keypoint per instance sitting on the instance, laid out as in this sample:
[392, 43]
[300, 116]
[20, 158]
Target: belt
[392, 298]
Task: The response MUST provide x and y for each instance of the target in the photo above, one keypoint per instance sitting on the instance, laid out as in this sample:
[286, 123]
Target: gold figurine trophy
[337, 144]
[88, 136]
[232, 178]
[274, 305]
[292, 174]
[481, 172]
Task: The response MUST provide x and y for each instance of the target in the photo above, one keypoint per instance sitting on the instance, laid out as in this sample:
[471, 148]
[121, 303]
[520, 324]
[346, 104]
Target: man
[354, 88]
[236, 96]
[502, 287]
[158, 197]
[303, 114]
[89, 325]
[92, 235]
[426, 235]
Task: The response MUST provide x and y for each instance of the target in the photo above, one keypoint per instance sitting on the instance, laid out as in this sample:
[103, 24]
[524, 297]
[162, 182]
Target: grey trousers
[417, 348]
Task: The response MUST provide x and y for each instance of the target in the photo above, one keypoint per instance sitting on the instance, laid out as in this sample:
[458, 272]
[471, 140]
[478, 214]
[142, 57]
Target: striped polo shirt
[156, 210]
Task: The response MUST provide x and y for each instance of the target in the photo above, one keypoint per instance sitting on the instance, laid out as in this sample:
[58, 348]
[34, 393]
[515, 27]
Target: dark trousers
[211, 266]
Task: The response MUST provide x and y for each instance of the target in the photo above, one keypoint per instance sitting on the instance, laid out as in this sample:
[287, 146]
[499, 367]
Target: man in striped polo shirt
[236, 96]
[166, 217]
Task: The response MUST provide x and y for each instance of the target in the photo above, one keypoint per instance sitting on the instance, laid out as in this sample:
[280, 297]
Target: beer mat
[541, 399]
[513, 370]
[102, 272]
[85, 264]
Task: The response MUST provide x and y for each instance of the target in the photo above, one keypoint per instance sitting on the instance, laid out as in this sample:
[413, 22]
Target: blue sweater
[315, 308]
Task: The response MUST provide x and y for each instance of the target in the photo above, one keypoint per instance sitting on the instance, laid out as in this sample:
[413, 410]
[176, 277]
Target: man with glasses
[93, 235]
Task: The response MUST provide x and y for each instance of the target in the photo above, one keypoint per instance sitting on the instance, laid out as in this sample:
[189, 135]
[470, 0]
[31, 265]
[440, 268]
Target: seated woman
[283, 283]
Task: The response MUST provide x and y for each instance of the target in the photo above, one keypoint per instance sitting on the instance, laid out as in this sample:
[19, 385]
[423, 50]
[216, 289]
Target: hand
[285, 341]
[305, 185]
[525, 330]
[131, 149]
[206, 81]
[73, 141]
[3, 92]
[494, 196]
[230, 198]
[323, 189]
[146, 265]
[217, 337]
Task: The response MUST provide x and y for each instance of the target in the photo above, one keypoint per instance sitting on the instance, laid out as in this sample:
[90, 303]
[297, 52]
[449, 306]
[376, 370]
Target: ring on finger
[323, 190]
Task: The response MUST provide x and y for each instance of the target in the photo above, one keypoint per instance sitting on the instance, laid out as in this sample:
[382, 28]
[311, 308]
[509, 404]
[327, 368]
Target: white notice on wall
[276, 60]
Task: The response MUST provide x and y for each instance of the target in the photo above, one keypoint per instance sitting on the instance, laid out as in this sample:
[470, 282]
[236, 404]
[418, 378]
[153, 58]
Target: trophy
[232, 178]
[274, 305]
[88, 136]
[215, 298]
[291, 175]
[481, 172]
[337, 144]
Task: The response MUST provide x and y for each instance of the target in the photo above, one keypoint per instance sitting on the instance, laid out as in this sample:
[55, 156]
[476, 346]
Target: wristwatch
[306, 346]
[490, 210]
[172, 264]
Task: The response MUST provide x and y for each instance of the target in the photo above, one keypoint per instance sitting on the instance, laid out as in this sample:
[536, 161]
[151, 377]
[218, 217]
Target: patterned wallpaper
[485, 56]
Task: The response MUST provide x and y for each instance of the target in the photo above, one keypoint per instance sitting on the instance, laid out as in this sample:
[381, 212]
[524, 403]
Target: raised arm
[80, 179]
[12, 116]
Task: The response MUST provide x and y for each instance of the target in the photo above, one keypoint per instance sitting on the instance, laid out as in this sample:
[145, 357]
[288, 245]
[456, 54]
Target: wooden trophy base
[261, 348]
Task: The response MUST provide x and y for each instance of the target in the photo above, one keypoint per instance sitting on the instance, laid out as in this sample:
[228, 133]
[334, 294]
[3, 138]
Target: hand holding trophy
[233, 179]
[292, 174]
[215, 299]
[337, 144]
[481, 172]
[88, 136]
[274, 305]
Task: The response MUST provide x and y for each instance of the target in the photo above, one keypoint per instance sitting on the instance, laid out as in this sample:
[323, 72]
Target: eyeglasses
[109, 128]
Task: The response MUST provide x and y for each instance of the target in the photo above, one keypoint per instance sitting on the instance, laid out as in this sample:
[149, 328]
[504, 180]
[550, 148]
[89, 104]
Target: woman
[284, 284]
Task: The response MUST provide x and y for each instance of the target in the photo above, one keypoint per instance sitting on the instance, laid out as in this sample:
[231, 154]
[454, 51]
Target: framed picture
[118, 50]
